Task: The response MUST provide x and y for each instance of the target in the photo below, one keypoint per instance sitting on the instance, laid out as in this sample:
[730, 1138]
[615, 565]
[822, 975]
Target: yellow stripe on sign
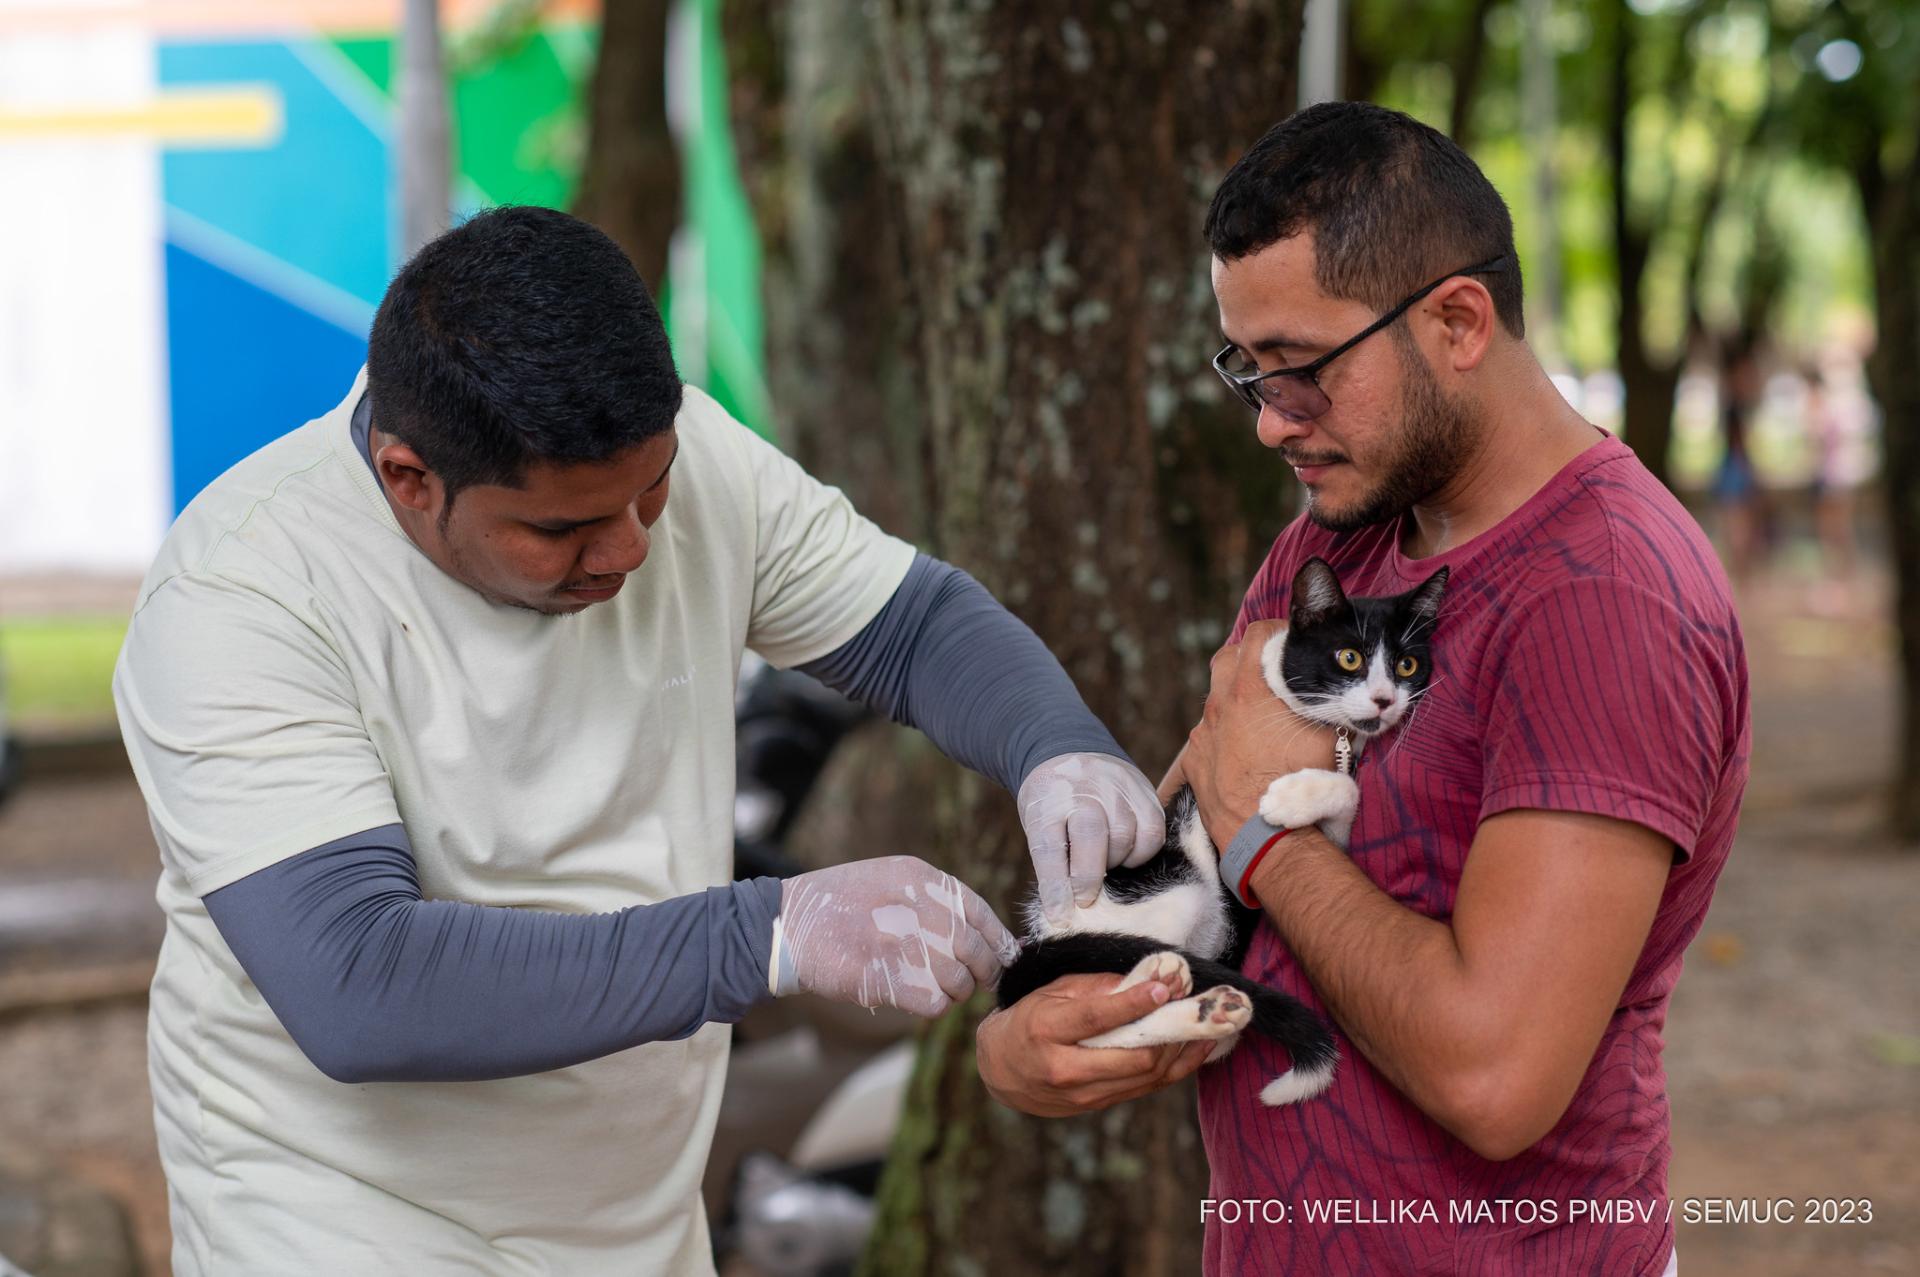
[240, 115]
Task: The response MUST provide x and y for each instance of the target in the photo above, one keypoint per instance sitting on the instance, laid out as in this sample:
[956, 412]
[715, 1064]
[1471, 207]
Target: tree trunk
[1049, 168]
[1539, 93]
[1469, 65]
[1648, 387]
[1894, 372]
[840, 321]
[630, 183]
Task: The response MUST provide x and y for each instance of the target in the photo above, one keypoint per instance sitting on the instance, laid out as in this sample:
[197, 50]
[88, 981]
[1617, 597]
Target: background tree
[1446, 39]
[840, 322]
[1659, 89]
[1049, 170]
[1856, 106]
[630, 181]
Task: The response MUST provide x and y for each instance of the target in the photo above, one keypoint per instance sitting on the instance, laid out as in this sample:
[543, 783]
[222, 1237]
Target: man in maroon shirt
[1535, 846]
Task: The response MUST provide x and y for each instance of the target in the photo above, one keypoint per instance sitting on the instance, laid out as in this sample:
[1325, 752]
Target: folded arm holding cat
[1487, 1021]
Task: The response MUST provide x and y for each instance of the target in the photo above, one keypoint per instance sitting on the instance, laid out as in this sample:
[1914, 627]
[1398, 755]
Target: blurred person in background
[1539, 840]
[1840, 466]
[431, 702]
[1745, 512]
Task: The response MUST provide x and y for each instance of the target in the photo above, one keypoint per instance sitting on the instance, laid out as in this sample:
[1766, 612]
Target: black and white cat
[1358, 664]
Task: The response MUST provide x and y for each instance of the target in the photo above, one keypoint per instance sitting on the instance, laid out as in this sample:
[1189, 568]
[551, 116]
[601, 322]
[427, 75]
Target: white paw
[1168, 968]
[1222, 1049]
[1223, 1012]
[1219, 1013]
[1309, 797]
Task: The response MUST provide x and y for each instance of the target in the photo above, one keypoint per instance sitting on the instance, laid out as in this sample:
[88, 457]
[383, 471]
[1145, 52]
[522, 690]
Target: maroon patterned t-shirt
[1587, 659]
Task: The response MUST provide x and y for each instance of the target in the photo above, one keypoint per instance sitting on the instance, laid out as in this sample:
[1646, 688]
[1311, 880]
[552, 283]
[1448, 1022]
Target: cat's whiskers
[1413, 706]
[1281, 713]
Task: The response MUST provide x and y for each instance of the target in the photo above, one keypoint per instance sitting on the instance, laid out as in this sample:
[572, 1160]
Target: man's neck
[1528, 437]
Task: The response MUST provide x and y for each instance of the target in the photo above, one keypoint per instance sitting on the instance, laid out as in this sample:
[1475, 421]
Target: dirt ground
[1793, 1043]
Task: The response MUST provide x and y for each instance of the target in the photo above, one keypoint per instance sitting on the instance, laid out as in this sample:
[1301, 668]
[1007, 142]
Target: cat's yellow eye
[1407, 667]
[1347, 659]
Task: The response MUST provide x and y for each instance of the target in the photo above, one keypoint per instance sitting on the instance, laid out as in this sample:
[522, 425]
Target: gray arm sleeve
[376, 984]
[945, 657]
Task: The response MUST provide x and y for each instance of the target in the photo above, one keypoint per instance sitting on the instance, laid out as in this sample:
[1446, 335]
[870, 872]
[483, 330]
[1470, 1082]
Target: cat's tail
[1285, 1020]
[1276, 1015]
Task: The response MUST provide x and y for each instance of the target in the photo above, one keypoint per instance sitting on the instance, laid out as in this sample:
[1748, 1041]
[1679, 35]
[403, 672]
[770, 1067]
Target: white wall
[83, 404]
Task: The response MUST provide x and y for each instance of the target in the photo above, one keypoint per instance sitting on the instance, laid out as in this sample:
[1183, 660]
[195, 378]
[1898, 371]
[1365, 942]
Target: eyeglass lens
[1294, 398]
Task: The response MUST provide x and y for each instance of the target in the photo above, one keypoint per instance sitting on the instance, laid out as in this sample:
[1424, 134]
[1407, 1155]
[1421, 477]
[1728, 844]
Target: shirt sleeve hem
[1551, 792]
[880, 587]
[302, 838]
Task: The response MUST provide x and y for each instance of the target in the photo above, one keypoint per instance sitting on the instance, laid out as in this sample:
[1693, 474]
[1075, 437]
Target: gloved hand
[1084, 814]
[893, 931]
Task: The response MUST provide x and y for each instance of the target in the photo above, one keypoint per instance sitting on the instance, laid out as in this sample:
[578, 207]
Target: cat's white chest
[1190, 916]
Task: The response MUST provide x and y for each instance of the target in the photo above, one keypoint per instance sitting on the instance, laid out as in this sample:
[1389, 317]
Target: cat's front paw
[1308, 798]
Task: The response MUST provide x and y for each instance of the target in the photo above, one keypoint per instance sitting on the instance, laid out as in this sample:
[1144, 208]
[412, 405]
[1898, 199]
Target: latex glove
[893, 932]
[1084, 814]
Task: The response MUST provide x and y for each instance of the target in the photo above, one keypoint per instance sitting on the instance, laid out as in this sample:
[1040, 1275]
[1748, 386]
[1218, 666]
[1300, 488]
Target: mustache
[1304, 459]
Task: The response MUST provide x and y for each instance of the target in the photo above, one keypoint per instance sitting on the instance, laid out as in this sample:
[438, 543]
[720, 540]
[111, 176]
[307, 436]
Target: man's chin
[552, 605]
[1349, 516]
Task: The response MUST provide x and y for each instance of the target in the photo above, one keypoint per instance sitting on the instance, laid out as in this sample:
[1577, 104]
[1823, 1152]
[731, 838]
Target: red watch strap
[1245, 893]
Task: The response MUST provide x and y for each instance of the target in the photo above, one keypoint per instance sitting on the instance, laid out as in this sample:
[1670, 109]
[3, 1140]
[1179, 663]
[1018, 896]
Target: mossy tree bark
[1048, 167]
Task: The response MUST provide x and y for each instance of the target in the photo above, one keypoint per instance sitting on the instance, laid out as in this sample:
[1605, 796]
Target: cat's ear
[1424, 600]
[1316, 594]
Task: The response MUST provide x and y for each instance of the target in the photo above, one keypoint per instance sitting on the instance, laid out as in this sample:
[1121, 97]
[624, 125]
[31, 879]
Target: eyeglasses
[1295, 393]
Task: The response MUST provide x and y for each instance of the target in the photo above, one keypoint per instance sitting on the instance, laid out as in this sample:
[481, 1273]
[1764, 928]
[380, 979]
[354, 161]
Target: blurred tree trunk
[1651, 381]
[840, 320]
[630, 183]
[1539, 95]
[1048, 169]
[1892, 204]
[1469, 65]
[1648, 385]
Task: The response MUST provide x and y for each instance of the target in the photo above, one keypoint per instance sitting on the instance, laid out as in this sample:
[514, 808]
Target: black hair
[522, 335]
[1392, 204]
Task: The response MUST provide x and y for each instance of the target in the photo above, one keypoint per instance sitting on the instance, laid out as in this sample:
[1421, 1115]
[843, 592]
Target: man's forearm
[376, 984]
[1393, 979]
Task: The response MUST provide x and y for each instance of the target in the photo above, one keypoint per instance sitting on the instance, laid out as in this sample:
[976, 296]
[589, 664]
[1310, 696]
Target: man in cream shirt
[431, 701]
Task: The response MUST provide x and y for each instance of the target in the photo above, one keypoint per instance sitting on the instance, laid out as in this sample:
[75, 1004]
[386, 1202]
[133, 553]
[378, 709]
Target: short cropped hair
[1391, 203]
[523, 335]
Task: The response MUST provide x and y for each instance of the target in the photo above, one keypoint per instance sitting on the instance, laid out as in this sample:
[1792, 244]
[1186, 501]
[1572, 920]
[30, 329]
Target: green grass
[59, 669]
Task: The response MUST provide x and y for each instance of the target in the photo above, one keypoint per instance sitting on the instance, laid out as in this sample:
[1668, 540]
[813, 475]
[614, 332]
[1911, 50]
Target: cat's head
[1359, 663]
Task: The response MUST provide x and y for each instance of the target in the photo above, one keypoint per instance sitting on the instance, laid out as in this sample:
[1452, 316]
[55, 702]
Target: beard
[1436, 438]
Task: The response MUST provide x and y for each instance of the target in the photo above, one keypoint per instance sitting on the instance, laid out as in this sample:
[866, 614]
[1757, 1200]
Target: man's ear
[1465, 308]
[407, 477]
